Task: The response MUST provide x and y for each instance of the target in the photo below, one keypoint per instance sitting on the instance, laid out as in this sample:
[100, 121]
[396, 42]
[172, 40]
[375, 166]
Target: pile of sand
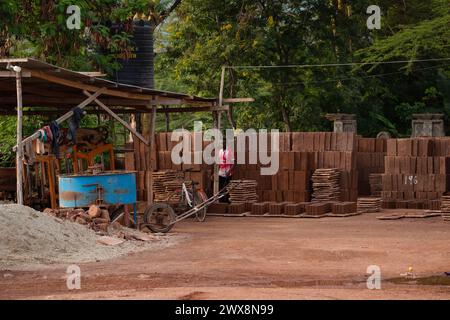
[29, 237]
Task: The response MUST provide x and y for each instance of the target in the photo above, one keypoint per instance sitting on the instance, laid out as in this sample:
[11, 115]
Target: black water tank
[138, 69]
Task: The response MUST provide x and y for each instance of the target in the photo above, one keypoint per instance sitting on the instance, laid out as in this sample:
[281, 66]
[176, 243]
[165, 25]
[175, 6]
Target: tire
[159, 217]
[200, 197]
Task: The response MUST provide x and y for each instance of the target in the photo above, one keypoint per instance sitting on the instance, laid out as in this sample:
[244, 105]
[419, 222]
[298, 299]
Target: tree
[206, 35]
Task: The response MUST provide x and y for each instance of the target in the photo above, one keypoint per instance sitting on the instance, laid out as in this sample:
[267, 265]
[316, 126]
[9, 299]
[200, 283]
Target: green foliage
[204, 35]
[8, 141]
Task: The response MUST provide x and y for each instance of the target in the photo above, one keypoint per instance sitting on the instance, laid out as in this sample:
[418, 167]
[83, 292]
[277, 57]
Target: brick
[260, 208]
[236, 208]
[161, 141]
[391, 147]
[297, 143]
[218, 208]
[318, 208]
[294, 208]
[277, 208]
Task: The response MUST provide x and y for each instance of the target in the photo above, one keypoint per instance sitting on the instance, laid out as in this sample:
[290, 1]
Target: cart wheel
[159, 217]
[200, 197]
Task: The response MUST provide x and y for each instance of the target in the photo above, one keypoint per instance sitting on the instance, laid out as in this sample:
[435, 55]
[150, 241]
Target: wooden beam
[40, 111]
[92, 73]
[116, 93]
[34, 100]
[238, 100]
[115, 116]
[87, 87]
[12, 74]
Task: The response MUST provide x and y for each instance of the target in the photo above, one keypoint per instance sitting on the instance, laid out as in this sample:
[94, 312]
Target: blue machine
[103, 189]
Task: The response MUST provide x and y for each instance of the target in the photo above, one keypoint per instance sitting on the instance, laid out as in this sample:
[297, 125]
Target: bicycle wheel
[200, 197]
[159, 217]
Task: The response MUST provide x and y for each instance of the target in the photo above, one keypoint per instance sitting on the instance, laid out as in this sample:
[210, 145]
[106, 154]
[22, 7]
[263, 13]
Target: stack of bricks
[293, 209]
[369, 160]
[343, 207]
[369, 204]
[260, 208]
[326, 185]
[218, 207]
[318, 209]
[291, 180]
[416, 172]
[236, 208]
[277, 208]
[445, 207]
[242, 191]
[200, 172]
[164, 184]
[145, 162]
[300, 154]
[376, 184]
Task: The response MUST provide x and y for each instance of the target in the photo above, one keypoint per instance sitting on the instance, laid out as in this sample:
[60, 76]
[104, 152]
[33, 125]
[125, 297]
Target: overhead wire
[361, 77]
[335, 64]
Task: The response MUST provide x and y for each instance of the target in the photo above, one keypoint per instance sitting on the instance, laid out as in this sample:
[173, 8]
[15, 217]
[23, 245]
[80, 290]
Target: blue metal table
[103, 189]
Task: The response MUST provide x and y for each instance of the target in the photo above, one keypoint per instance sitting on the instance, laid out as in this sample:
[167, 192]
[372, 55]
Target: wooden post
[152, 143]
[19, 152]
[167, 120]
[222, 84]
[217, 115]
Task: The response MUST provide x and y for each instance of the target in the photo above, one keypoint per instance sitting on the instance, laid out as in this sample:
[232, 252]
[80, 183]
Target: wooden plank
[238, 100]
[19, 151]
[216, 116]
[12, 74]
[115, 116]
[87, 87]
[115, 93]
[152, 144]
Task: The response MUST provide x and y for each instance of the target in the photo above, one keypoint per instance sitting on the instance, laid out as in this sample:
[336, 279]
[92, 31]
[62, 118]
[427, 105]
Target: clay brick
[296, 139]
[276, 208]
[391, 147]
[236, 208]
[260, 208]
[294, 208]
[161, 141]
[218, 208]
[318, 208]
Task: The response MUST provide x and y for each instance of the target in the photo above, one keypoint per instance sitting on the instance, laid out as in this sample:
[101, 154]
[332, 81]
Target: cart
[160, 217]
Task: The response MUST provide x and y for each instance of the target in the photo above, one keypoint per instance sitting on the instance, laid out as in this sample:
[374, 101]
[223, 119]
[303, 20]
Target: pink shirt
[226, 162]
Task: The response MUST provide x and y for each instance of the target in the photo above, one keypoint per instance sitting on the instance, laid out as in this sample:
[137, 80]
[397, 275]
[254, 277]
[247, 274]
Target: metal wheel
[200, 197]
[159, 217]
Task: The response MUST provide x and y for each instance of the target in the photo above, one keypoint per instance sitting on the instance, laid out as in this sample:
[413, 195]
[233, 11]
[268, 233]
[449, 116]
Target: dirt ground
[261, 258]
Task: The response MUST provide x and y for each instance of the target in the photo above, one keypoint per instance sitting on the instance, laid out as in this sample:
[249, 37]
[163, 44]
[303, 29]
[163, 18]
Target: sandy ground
[29, 238]
[261, 258]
